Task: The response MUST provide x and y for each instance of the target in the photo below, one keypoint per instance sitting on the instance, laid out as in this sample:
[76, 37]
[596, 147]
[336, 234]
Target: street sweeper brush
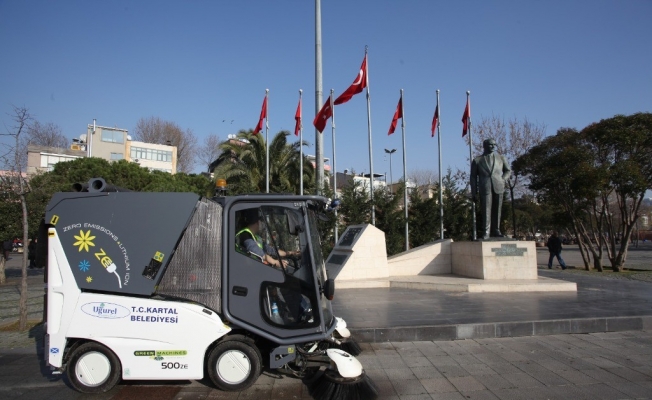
[332, 386]
[343, 339]
[343, 380]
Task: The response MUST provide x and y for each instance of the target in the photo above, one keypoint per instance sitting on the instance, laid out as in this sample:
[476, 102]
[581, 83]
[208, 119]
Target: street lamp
[390, 152]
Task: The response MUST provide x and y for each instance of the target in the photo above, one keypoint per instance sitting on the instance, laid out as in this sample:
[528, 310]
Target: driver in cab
[250, 241]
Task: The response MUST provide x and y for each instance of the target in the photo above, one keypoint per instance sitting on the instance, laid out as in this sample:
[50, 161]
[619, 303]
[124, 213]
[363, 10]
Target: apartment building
[111, 144]
[115, 144]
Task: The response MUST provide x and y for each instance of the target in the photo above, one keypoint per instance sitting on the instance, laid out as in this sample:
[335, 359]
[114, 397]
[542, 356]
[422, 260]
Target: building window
[48, 161]
[142, 153]
[112, 136]
[117, 156]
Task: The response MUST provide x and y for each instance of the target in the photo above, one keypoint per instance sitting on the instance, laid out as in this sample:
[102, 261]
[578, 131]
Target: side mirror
[329, 288]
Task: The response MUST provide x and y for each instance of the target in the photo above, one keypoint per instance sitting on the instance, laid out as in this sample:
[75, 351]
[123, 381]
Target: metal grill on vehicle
[194, 272]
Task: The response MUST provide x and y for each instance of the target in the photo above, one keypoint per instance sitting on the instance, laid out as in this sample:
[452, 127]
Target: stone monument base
[494, 259]
[455, 283]
[489, 266]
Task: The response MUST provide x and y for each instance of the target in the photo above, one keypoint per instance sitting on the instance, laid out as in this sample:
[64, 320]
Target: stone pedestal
[360, 254]
[430, 259]
[492, 260]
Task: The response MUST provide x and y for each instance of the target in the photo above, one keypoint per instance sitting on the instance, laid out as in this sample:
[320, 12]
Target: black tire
[93, 368]
[234, 365]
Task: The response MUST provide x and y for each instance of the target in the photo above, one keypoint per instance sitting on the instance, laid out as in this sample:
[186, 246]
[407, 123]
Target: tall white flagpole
[334, 164]
[371, 158]
[267, 141]
[441, 189]
[468, 94]
[300, 144]
[334, 171]
[405, 189]
[319, 139]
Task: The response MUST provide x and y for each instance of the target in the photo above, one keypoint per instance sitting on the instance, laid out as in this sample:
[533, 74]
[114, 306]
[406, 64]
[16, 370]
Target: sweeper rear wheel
[234, 365]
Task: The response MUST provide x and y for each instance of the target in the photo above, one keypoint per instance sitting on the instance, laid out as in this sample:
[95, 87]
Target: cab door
[279, 303]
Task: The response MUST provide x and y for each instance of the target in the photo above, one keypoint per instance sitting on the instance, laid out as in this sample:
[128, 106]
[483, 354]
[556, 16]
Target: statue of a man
[488, 175]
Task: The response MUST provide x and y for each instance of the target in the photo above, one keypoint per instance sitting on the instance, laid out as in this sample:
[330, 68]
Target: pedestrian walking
[31, 253]
[554, 247]
[7, 245]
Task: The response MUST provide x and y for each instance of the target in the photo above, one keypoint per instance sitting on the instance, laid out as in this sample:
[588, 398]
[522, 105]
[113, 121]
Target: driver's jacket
[250, 243]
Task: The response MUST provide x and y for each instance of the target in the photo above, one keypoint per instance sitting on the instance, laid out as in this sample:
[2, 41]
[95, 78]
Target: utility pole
[319, 141]
[391, 179]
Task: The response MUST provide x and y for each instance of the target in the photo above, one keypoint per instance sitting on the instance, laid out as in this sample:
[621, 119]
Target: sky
[205, 65]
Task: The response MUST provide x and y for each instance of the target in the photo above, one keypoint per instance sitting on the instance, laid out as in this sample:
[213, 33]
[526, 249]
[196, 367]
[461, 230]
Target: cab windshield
[320, 267]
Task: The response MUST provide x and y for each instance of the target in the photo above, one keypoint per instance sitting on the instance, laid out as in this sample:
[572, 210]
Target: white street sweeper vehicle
[165, 286]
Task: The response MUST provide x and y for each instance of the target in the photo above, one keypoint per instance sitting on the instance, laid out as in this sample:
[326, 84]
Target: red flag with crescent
[435, 121]
[466, 118]
[397, 114]
[263, 114]
[323, 115]
[297, 119]
[356, 87]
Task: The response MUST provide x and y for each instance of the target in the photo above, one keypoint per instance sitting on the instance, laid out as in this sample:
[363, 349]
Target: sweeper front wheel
[234, 365]
[93, 368]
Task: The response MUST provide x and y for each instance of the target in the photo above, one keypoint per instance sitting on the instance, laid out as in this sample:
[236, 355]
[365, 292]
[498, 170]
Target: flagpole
[441, 189]
[266, 142]
[405, 193]
[319, 141]
[371, 158]
[468, 94]
[300, 144]
[332, 98]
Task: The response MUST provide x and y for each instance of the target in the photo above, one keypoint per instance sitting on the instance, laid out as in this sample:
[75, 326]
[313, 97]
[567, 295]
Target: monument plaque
[360, 254]
[349, 236]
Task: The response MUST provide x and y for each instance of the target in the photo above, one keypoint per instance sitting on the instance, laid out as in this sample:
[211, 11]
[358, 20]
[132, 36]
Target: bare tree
[49, 135]
[422, 176]
[13, 158]
[155, 130]
[514, 138]
[209, 151]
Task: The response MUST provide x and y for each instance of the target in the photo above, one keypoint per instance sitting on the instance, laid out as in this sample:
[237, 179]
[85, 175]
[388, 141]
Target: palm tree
[242, 164]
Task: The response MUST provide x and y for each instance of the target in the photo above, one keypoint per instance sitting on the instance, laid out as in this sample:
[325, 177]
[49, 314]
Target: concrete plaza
[516, 345]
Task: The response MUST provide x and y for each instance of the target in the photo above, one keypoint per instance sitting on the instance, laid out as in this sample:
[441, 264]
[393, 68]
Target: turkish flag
[397, 114]
[356, 87]
[466, 118]
[297, 119]
[435, 121]
[263, 114]
[323, 115]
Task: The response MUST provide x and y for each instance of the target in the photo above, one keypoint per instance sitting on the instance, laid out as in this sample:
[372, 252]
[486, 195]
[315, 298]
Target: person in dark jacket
[31, 253]
[554, 247]
[7, 246]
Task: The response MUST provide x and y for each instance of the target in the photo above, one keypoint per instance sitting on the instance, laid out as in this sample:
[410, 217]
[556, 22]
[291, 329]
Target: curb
[501, 329]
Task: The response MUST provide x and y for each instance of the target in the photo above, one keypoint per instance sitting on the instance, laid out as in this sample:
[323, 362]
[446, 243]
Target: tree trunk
[597, 263]
[511, 192]
[585, 254]
[22, 322]
[580, 244]
[3, 276]
[619, 260]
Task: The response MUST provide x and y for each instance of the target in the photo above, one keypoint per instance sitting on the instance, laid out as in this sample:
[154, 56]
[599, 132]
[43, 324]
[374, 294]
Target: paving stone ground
[598, 365]
[616, 365]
